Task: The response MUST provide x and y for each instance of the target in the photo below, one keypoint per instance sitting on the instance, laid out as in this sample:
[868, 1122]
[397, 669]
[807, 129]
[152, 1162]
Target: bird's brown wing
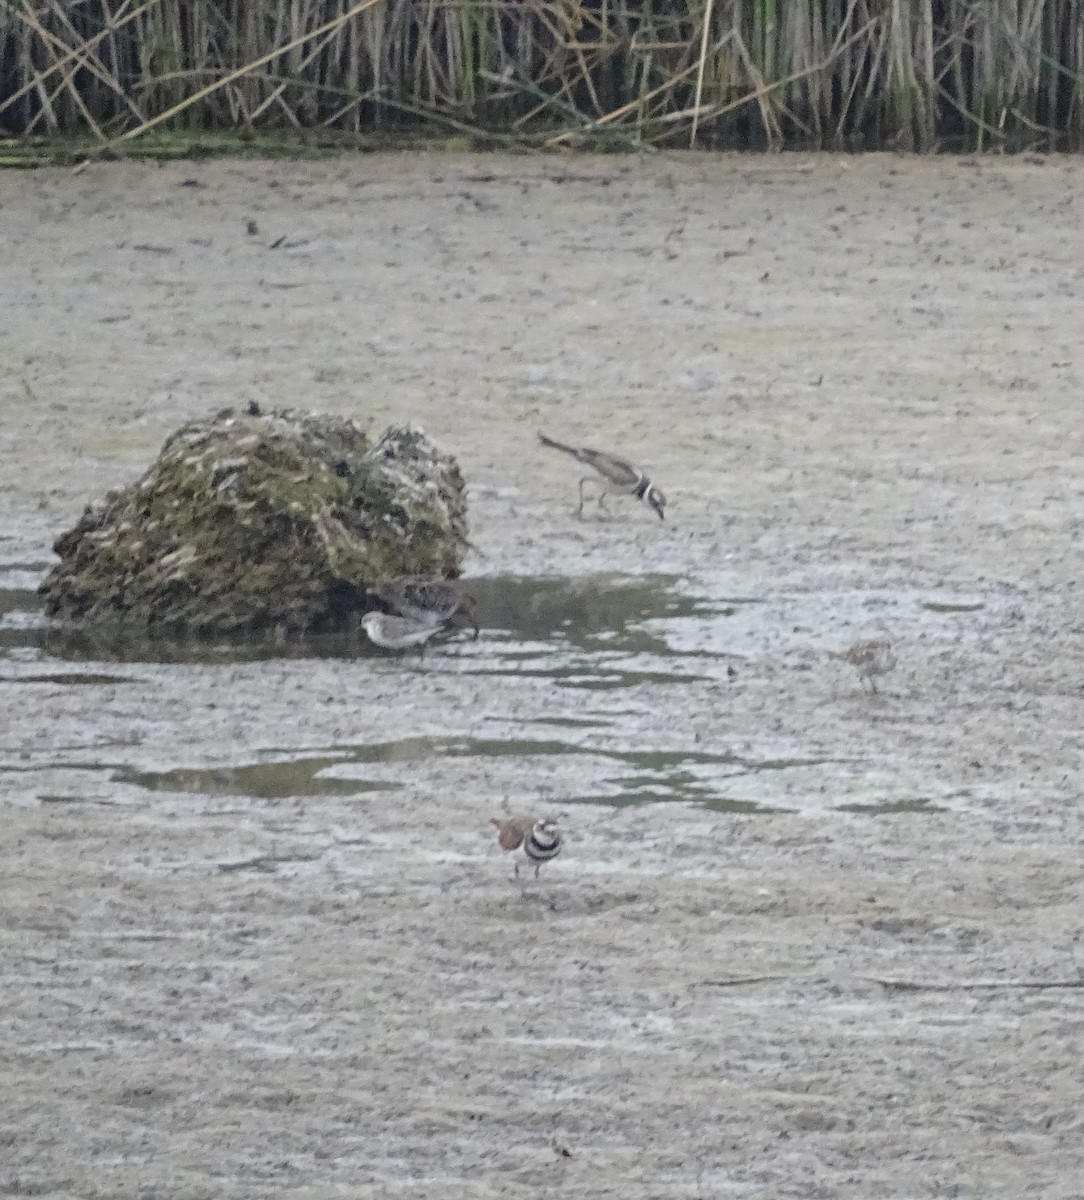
[440, 597]
[512, 830]
[465, 614]
[863, 653]
[617, 470]
[436, 595]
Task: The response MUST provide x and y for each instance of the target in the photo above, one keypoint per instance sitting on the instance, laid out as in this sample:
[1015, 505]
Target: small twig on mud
[742, 981]
[920, 985]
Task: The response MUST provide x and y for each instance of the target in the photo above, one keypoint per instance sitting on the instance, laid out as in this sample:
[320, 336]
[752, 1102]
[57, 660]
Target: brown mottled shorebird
[440, 602]
[870, 658]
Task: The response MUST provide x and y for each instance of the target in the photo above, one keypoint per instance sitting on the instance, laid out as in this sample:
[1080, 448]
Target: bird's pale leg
[579, 511]
[602, 506]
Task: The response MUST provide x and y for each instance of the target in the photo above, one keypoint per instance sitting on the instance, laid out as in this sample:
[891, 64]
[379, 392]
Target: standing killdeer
[439, 602]
[619, 477]
[540, 839]
[870, 658]
[396, 633]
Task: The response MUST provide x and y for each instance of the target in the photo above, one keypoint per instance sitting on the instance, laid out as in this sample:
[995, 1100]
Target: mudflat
[258, 938]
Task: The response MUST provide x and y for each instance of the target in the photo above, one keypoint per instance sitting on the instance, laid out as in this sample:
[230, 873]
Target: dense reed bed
[912, 74]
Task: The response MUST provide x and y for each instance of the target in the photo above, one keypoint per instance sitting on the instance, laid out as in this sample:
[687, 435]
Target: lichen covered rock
[253, 521]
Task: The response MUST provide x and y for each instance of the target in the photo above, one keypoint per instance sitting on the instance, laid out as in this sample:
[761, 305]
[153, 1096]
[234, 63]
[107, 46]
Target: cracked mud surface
[257, 939]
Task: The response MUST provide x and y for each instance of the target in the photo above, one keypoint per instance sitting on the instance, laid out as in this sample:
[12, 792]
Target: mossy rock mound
[257, 521]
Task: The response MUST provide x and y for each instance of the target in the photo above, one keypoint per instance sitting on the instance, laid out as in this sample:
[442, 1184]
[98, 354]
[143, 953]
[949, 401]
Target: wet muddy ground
[257, 937]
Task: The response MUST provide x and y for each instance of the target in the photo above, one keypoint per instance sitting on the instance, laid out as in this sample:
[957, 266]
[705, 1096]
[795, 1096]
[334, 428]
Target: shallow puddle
[70, 678]
[944, 606]
[888, 807]
[641, 776]
[598, 634]
[595, 616]
[260, 781]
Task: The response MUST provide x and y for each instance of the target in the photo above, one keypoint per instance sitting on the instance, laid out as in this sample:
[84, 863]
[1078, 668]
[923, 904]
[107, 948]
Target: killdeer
[396, 633]
[540, 839]
[437, 602]
[618, 477]
[870, 658]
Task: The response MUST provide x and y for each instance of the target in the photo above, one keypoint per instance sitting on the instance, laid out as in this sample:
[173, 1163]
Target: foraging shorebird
[396, 633]
[617, 475]
[870, 658]
[540, 839]
[439, 602]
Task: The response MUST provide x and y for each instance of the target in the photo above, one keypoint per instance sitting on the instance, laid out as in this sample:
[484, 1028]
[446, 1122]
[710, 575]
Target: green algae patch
[262, 522]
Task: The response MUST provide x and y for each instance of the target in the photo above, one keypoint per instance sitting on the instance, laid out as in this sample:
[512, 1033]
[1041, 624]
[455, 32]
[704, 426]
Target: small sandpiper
[540, 838]
[397, 633]
[616, 476]
[440, 602]
[870, 658]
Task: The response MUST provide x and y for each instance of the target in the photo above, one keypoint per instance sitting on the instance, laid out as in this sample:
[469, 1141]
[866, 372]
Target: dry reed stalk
[617, 113]
[902, 84]
[925, 37]
[49, 43]
[982, 72]
[708, 9]
[84, 48]
[870, 95]
[760, 93]
[302, 64]
[68, 76]
[79, 56]
[720, 110]
[241, 71]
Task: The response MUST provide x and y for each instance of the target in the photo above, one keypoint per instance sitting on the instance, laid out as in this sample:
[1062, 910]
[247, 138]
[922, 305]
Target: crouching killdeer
[618, 477]
[439, 602]
[397, 633]
[540, 838]
[870, 658]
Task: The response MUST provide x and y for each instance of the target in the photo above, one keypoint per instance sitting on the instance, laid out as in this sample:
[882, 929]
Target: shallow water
[603, 632]
[591, 638]
[599, 635]
[600, 615]
[640, 776]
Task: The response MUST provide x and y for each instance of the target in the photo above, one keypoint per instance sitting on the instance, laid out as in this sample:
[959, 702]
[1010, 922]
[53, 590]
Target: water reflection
[261, 781]
[888, 807]
[640, 777]
[596, 634]
[593, 635]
